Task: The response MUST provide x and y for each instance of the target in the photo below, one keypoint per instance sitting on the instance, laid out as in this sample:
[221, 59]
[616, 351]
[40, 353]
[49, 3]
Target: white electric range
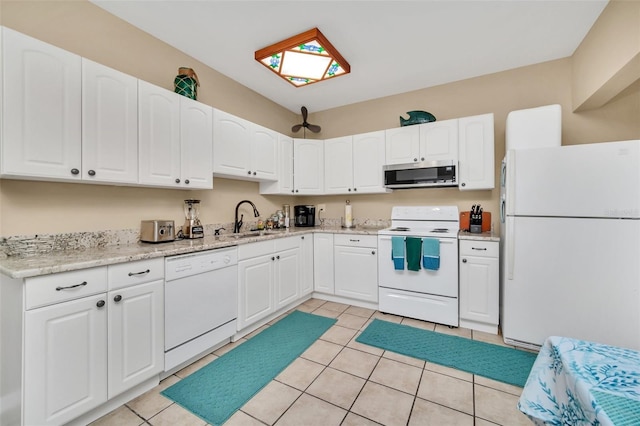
[429, 295]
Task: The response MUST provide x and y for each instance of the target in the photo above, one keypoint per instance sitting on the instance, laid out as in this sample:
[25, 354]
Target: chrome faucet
[237, 224]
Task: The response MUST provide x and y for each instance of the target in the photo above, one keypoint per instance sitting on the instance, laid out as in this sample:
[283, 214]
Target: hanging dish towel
[397, 252]
[414, 249]
[431, 253]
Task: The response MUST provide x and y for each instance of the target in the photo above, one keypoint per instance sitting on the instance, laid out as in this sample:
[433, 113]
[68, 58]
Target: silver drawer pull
[131, 274]
[82, 284]
[479, 248]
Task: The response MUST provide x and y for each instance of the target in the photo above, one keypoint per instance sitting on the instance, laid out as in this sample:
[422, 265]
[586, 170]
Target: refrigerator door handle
[510, 182]
[503, 171]
[510, 247]
[502, 209]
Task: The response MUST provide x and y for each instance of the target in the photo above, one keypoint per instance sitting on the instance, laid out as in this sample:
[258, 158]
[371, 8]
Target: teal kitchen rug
[495, 362]
[219, 389]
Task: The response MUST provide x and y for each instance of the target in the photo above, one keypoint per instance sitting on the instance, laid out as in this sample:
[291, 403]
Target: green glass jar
[186, 83]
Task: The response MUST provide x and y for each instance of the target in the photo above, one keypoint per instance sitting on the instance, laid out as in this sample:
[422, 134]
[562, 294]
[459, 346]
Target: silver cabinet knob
[91, 172]
[75, 171]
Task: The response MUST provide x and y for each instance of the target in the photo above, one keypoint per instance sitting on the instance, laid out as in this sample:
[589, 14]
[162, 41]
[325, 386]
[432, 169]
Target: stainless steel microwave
[420, 175]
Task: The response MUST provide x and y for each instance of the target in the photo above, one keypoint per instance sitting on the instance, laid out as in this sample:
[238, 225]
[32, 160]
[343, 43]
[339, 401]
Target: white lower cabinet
[346, 265]
[88, 336]
[135, 335]
[323, 281]
[65, 366]
[270, 274]
[356, 266]
[306, 251]
[479, 285]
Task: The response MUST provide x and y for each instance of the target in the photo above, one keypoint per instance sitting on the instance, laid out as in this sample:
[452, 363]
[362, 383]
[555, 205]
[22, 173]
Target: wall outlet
[322, 208]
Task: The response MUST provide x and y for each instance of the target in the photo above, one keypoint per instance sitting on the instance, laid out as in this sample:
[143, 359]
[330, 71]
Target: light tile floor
[339, 381]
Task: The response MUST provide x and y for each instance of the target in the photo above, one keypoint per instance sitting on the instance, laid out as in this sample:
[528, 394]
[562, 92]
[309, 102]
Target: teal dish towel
[414, 251]
[431, 253]
[397, 252]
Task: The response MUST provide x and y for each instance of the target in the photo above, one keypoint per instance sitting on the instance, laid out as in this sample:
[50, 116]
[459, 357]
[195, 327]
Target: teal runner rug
[495, 362]
[219, 389]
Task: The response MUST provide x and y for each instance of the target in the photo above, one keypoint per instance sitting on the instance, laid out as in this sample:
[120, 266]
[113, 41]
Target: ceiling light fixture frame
[311, 45]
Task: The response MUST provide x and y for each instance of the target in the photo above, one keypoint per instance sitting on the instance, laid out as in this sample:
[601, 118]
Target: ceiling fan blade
[314, 128]
[304, 113]
[296, 128]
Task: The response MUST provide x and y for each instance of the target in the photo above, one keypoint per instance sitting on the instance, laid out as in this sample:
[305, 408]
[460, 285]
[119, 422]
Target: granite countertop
[483, 236]
[70, 260]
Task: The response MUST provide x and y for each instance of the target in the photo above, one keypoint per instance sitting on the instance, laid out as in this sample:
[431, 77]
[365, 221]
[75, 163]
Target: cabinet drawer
[262, 248]
[355, 240]
[55, 288]
[479, 248]
[287, 243]
[132, 273]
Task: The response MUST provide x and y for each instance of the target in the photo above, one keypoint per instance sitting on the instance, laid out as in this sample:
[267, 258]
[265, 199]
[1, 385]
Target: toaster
[157, 231]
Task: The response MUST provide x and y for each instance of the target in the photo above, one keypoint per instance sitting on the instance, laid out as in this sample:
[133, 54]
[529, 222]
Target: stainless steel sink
[247, 235]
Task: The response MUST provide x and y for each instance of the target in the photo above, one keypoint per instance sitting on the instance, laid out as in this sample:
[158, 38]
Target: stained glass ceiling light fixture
[304, 59]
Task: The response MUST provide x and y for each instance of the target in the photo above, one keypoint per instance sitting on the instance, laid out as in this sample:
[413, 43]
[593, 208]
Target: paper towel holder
[347, 221]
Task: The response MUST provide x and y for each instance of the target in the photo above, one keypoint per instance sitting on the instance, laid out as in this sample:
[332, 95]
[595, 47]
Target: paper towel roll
[348, 216]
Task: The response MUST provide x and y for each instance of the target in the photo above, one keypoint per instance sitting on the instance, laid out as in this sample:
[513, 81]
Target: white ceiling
[392, 46]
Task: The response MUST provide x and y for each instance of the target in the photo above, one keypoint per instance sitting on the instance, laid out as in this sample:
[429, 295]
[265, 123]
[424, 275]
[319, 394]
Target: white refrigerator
[570, 244]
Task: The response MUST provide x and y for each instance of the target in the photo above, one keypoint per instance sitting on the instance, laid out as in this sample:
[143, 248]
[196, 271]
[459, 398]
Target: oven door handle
[442, 240]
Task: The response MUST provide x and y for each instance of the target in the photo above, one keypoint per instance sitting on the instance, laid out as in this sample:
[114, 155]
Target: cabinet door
[231, 144]
[439, 140]
[136, 335]
[476, 143]
[256, 283]
[306, 282]
[65, 371]
[338, 165]
[402, 145]
[288, 275]
[479, 289]
[308, 167]
[159, 135]
[284, 182]
[196, 144]
[323, 280]
[41, 109]
[109, 124]
[356, 272]
[368, 159]
[264, 153]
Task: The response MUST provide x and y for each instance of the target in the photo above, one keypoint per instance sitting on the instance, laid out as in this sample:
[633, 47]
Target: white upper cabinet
[435, 141]
[476, 141]
[439, 140]
[308, 166]
[368, 159]
[109, 124]
[175, 139]
[402, 145]
[159, 139]
[242, 149]
[196, 144]
[231, 144]
[353, 164]
[41, 107]
[284, 182]
[338, 165]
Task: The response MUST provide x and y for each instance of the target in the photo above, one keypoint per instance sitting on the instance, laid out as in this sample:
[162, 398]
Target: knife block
[465, 219]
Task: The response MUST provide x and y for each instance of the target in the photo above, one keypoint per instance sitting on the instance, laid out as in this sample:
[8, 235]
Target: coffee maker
[304, 215]
[192, 227]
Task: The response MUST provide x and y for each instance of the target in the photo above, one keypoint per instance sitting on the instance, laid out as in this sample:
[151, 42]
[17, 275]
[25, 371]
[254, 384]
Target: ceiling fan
[314, 128]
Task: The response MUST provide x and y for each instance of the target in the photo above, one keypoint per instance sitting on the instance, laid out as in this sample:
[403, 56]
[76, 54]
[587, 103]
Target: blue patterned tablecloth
[574, 382]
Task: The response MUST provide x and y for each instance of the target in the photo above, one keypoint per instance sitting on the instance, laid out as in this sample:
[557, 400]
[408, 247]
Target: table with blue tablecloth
[574, 382]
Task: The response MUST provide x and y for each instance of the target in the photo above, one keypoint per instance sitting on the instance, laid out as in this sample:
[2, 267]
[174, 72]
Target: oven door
[442, 282]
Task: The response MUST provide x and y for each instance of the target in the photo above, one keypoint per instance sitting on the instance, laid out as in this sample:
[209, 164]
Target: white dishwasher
[201, 303]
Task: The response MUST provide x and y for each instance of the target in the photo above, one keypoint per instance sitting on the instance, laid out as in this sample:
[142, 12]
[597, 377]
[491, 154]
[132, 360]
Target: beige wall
[78, 26]
[608, 59]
